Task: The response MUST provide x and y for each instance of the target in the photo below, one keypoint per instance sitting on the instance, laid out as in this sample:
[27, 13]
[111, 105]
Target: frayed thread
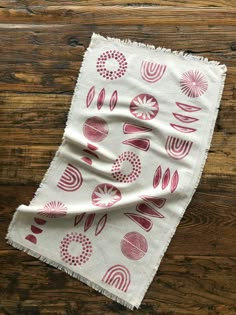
[186, 56]
[70, 272]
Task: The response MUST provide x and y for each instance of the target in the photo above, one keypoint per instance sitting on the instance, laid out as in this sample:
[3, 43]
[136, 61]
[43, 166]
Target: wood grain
[42, 43]
[118, 15]
[173, 3]
[183, 285]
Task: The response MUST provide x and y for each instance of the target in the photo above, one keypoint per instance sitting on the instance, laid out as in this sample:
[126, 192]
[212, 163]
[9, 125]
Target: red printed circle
[127, 167]
[105, 195]
[84, 242]
[95, 129]
[134, 245]
[144, 107]
[111, 65]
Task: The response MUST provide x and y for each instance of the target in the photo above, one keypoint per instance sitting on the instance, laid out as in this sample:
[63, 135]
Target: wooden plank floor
[41, 48]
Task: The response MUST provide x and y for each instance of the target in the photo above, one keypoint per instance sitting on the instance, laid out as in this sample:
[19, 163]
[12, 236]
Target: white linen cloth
[135, 144]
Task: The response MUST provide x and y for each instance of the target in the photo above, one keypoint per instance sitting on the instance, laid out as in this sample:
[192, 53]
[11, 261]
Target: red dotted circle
[86, 249]
[134, 160]
[116, 56]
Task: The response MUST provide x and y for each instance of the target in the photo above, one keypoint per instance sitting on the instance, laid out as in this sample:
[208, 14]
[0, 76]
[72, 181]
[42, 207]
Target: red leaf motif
[165, 179]
[101, 98]
[89, 221]
[90, 96]
[157, 177]
[36, 230]
[142, 221]
[113, 100]
[148, 210]
[174, 181]
[158, 202]
[78, 218]
[177, 148]
[101, 224]
[39, 221]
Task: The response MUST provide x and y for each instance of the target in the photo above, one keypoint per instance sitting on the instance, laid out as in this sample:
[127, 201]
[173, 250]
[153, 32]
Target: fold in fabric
[135, 144]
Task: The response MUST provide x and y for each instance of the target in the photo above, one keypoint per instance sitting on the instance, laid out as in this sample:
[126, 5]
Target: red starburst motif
[53, 209]
[144, 107]
[127, 167]
[105, 195]
[193, 83]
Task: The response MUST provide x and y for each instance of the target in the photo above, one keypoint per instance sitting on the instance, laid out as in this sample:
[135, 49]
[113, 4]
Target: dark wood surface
[41, 49]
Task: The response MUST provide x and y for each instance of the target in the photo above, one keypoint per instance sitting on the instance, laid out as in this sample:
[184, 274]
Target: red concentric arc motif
[54, 209]
[144, 107]
[71, 179]
[111, 65]
[177, 148]
[83, 245]
[193, 83]
[151, 71]
[127, 167]
[118, 276]
[134, 246]
[105, 195]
